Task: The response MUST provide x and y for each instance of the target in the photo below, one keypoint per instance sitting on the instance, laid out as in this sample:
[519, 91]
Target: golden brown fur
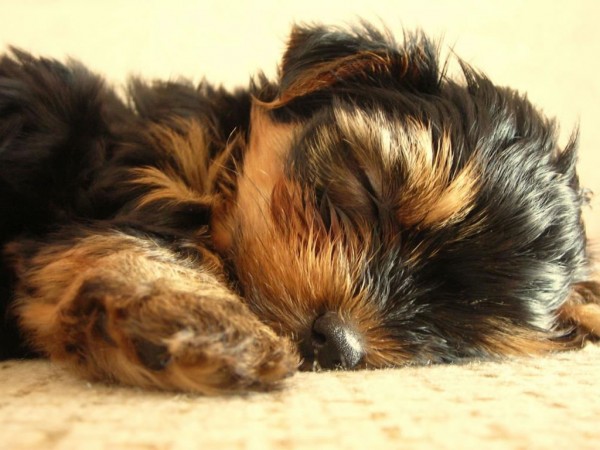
[364, 211]
[101, 305]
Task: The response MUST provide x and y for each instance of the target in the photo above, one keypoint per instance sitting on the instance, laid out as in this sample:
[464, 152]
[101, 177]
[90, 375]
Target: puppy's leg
[119, 307]
[581, 312]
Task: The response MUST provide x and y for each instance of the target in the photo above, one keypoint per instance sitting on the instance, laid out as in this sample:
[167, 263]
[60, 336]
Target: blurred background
[551, 50]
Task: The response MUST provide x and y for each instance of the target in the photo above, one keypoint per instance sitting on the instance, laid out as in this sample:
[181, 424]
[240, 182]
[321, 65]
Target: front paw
[231, 360]
[201, 340]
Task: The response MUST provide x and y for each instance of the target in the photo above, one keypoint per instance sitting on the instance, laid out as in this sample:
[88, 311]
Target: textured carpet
[535, 403]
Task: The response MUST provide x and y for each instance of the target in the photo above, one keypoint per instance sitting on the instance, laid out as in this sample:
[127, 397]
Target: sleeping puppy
[364, 210]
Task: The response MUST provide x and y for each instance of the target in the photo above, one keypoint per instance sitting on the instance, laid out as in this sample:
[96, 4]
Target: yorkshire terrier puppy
[364, 210]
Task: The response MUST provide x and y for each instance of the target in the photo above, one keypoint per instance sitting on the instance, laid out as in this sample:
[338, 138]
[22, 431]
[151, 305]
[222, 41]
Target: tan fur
[433, 194]
[187, 178]
[164, 186]
[263, 167]
[99, 300]
[582, 309]
[144, 293]
[382, 349]
[505, 339]
[587, 316]
[307, 273]
[326, 74]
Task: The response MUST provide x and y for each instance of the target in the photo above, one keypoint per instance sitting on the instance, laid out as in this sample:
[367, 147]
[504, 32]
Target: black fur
[67, 143]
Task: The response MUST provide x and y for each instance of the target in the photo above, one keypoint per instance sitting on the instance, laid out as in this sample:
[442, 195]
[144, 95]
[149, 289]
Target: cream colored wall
[549, 49]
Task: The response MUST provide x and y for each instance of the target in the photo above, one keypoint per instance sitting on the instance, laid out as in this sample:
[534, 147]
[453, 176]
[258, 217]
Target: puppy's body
[362, 211]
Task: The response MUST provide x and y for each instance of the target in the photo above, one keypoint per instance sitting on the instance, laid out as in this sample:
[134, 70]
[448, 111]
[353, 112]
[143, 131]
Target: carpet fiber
[550, 402]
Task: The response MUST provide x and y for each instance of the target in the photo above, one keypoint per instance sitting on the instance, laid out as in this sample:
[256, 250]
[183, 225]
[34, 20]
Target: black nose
[335, 344]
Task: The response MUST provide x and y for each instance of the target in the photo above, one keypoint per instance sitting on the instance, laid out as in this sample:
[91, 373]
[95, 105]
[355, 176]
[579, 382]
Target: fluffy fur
[364, 210]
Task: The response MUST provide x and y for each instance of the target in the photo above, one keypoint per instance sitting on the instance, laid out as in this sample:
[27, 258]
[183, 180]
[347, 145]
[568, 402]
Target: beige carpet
[539, 403]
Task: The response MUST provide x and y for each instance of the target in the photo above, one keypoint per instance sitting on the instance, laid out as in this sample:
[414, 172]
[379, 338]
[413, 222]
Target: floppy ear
[320, 61]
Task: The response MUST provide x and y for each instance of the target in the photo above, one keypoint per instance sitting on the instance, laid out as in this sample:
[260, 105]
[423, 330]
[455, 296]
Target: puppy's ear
[320, 61]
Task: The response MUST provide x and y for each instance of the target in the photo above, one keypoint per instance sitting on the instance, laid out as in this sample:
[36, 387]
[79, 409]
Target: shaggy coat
[363, 210]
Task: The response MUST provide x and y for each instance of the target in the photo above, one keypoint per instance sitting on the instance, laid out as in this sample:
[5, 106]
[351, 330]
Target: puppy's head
[386, 214]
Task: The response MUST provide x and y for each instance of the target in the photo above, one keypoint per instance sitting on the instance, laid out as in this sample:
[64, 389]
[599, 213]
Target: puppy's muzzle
[332, 344]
